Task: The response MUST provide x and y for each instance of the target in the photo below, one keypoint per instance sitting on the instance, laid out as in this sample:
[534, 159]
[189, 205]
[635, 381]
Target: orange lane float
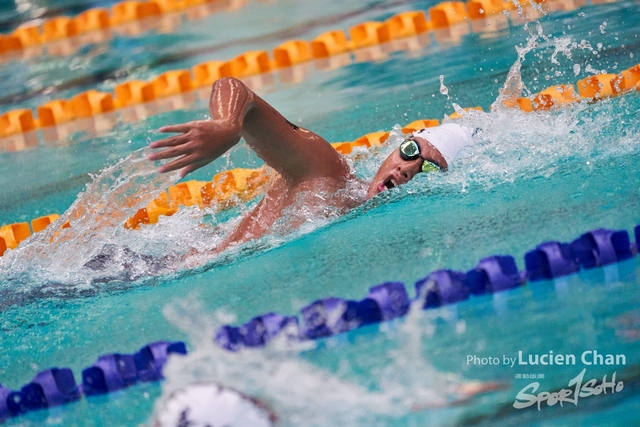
[172, 5]
[555, 96]
[368, 34]
[405, 24]
[91, 103]
[227, 188]
[223, 192]
[457, 115]
[58, 28]
[134, 92]
[3, 246]
[160, 206]
[238, 184]
[128, 11]
[55, 113]
[247, 64]
[329, 44]
[447, 14]
[13, 234]
[39, 224]
[626, 81]
[150, 214]
[16, 121]
[291, 53]
[480, 9]
[552, 97]
[28, 35]
[206, 73]
[187, 193]
[172, 83]
[596, 87]
[371, 139]
[420, 124]
[9, 43]
[93, 20]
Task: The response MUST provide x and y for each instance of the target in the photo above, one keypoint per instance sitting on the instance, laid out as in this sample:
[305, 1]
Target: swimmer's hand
[465, 393]
[193, 258]
[199, 143]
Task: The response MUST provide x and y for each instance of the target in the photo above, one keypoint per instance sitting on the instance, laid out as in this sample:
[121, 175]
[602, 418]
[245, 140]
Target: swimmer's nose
[403, 173]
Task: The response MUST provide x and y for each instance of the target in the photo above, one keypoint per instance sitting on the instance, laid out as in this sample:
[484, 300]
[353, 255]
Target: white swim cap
[210, 405]
[448, 138]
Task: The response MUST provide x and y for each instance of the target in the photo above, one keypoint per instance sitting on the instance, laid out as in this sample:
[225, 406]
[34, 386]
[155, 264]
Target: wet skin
[305, 161]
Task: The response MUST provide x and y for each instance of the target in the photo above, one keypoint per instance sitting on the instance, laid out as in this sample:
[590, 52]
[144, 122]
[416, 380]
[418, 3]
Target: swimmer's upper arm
[294, 152]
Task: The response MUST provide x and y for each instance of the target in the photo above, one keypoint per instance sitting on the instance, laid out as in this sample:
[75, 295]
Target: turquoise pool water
[537, 177]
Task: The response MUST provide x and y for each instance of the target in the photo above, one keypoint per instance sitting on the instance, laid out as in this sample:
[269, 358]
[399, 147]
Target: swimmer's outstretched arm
[296, 153]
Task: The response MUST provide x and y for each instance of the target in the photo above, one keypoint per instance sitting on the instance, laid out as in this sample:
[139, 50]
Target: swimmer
[208, 404]
[211, 405]
[306, 162]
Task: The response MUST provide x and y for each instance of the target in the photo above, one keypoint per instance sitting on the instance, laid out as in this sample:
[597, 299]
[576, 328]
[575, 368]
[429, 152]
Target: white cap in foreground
[210, 405]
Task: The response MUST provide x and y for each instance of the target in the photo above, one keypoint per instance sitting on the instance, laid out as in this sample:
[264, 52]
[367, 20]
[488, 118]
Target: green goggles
[410, 150]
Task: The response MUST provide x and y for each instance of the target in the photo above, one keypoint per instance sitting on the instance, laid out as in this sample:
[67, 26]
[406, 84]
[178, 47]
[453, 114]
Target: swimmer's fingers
[186, 162]
[170, 152]
[169, 142]
[181, 128]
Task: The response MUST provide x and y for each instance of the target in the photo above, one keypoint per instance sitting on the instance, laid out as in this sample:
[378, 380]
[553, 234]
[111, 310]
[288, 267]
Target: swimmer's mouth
[390, 183]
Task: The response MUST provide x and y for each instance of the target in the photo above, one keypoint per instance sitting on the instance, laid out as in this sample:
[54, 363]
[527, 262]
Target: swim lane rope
[329, 316]
[444, 16]
[228, 188]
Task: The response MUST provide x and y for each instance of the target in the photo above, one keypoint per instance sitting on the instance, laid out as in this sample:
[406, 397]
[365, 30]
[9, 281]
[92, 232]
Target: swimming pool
[539, 177]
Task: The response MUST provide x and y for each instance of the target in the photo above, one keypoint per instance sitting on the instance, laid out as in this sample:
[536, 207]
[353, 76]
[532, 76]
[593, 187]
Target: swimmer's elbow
[232, 87]
[230, 97]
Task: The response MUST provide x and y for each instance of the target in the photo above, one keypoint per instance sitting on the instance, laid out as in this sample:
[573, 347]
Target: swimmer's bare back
[302, 158]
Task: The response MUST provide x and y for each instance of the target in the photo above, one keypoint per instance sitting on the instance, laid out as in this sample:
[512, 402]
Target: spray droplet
[576, 69]
[602, 28]
[443, 89]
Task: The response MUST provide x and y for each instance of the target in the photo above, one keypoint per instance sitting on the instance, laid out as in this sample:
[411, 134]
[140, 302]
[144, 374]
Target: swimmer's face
[396, 171]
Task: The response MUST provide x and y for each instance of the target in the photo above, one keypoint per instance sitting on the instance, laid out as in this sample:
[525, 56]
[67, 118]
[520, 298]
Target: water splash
[443, 89]
[300, 392]
[96, 220]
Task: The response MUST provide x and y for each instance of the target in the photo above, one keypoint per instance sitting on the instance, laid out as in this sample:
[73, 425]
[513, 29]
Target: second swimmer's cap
[448, 138]
[210, 405]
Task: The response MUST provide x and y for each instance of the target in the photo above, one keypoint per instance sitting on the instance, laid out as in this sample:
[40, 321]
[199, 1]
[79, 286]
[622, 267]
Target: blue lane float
[53, 387]
[256, 332]
[550, 260]
[601, 247]
[494, 274]
[261, 329]
[330, 316]
[4, 407]
[391, 299]
[229, 337]
[110, 373]
[442, 287]
[499, 273]
[150, 359]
